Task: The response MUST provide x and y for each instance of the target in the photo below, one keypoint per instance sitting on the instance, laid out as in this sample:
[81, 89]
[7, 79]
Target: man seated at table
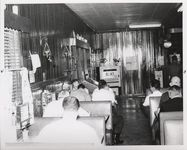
[175, 80]
[155, 89]
[175, 103]
[81, 94]
[54, 109]
[68, 129]
[104, 93]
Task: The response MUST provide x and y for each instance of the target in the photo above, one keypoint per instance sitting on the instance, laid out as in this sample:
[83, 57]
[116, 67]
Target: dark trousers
[118, 121]
[145, 110]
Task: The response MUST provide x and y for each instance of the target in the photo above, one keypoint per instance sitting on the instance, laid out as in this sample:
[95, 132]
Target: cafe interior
[126, 44]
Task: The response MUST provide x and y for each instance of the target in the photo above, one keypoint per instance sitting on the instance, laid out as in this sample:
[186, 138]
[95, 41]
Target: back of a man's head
[75, 80]
[156, 84]
[81, 86]
[70, 103]
[102, 84]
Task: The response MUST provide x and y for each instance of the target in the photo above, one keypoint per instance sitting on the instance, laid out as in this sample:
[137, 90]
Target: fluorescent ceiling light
[150, 25]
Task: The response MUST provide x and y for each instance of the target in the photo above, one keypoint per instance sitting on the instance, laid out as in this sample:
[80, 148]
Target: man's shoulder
[156, 93]
[177, 99]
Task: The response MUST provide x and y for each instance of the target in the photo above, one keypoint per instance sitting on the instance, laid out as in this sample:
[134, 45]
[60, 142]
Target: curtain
[138, 52]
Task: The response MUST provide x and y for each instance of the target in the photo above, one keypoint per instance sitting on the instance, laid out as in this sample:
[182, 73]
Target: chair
[177, 115]
[98, 123]
[99, 108]
[173, 132]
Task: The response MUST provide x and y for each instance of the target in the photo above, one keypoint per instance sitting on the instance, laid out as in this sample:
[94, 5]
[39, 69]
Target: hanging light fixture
[167, 44]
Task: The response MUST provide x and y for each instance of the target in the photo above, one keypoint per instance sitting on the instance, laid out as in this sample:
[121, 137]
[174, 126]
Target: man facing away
[81, 94]
[104, 93]
[54, 108]
[68, 130]
[155, 89]
[175, 80]
[175, 103]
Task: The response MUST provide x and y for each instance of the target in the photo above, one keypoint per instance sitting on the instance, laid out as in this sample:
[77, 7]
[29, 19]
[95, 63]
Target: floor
[136, 129]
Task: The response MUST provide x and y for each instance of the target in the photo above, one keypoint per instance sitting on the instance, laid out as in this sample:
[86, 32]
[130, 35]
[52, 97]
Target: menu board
[111, 74]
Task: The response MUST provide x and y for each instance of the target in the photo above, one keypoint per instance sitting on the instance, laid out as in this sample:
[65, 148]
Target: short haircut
[175, 88]
[102, 84]
[66, 85]
[155, 83]
[75, 80]
[71, 103]
[82, 86]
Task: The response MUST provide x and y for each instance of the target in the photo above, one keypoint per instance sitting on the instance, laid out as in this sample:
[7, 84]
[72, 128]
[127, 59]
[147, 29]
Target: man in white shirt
[68, 130]
[155, 89]
[104, 93]
[81, 94]
[54, 108]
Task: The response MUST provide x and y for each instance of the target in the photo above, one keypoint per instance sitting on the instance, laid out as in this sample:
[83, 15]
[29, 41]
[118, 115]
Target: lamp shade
[167, 44]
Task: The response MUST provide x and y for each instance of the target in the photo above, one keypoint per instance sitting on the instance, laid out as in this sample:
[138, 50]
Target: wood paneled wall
[55, 21]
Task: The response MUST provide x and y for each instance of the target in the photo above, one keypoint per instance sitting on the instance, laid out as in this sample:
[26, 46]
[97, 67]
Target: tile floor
[136, 129]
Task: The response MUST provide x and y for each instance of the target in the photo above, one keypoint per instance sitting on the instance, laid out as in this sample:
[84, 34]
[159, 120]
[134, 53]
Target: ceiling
[103, 17]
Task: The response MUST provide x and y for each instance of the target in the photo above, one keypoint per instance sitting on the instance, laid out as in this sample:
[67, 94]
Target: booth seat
[165, 116]
[154, 102]
[173, 132]
[101, 108]
[98, 123]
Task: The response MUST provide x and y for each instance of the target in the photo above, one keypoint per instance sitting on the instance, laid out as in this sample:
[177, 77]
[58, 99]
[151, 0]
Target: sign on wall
[132, 63]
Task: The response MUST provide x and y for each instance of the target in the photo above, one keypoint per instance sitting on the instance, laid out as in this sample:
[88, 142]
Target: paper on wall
[132, 63]
[159, 76]
[35, 61]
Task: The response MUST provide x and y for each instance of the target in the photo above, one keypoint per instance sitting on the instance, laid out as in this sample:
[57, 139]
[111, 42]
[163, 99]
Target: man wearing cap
[175, 102]
[175, 80]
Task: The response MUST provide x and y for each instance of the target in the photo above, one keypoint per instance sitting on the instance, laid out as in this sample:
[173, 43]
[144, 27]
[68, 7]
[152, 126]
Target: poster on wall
[161, 60]
[132, 63]
[159, 76]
